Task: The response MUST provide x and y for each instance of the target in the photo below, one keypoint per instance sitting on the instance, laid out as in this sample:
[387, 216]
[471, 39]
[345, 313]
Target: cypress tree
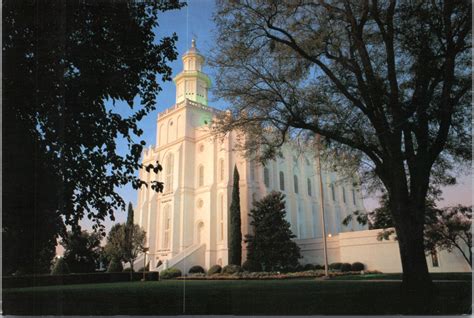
[235, 234]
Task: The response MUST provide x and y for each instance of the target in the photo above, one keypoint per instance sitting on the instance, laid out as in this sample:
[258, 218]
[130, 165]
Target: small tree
[125, 242]
[60, 267]
[81, 251]
[451, 229]
[271, 244]
[235, 234]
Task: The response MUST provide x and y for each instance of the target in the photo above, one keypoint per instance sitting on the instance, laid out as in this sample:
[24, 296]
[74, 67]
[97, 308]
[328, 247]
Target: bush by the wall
[317, 266]
[216, 269]
[231, 269]
[196, 269]
[308, 267]
[358, 266]
[336, 266]
[60, 267]
[170, 273]
[127, 270]
[115, 266]
[346, 267]
[251, 266]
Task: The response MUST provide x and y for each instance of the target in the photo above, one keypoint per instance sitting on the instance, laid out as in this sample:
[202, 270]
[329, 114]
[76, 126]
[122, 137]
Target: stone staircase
[192, 255]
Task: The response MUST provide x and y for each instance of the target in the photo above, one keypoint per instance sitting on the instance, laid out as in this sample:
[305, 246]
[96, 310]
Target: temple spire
[192, 83]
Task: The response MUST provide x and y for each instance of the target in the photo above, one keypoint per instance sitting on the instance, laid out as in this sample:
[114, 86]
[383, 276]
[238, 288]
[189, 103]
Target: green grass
[277, 297]
[398, 276]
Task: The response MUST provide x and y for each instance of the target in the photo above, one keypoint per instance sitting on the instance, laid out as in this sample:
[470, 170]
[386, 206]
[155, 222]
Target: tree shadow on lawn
[294, 297]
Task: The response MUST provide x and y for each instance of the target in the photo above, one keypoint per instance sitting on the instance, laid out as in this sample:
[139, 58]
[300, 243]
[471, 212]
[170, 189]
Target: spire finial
[193, 43]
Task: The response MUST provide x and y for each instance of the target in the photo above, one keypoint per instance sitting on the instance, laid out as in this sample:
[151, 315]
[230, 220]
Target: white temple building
[187, 224]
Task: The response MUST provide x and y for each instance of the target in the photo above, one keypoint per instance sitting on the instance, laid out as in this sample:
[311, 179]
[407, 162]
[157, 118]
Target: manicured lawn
[278, 297]
[398, 276]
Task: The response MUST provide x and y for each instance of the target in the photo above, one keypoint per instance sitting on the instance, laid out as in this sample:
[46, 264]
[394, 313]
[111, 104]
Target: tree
[451, 229]
[66, 65]
[271, 245]
[81, 251]
[386, 83]
[235, 233]
[125, 243]
[448, 228]
[60, 267]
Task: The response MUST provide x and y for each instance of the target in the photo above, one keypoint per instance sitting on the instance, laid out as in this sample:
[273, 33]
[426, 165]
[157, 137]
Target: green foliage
[60, 267]
[251, 266]
[346, 267]
[231, 269]
[271, 244]
[196, 269]
[235, 233]
[66, 66]
[336, 266]
[81, 251]
[115, 266]
[358, 266]
[170, 273]
[125, 242]
[215, 269]
[128, 270]
[317, 266]
[309, 267]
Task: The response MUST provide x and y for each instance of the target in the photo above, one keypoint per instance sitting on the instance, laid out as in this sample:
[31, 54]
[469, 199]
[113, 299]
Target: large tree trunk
[417, 288]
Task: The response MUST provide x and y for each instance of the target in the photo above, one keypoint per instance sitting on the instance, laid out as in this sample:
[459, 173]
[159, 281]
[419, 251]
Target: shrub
[170, 273]
[251, 266]
[309, 267]
[317, 266]
[231, 269]
[196, 269]
[60, 267]
[346, 267]
[358, 266]
[336, 265]
[216, 269]
[127, 270]
[115, 266]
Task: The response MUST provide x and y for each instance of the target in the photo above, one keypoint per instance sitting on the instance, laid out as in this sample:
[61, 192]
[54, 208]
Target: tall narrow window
[333, 192]
[282, 181]
[295, 179]
[309, 186]
[221, 218]
[353, 196]
[252, 171]
[169, 173]
[201, 176]
[166, 227]
[266, 177]
[344, 194]
[221, 170]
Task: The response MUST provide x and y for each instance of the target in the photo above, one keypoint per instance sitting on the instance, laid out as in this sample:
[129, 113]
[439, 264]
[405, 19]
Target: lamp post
[145, 251]
[321, 203]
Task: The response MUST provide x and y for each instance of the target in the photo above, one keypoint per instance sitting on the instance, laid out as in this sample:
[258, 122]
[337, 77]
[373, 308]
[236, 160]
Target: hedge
[216, 269]
[170, 273]
[71, 279]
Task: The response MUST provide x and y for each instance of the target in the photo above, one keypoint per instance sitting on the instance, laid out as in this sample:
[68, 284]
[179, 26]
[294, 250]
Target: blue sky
[195, 21]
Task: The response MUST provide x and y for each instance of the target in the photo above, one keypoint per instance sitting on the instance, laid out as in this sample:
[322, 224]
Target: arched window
[169, 173]
[201, 175]
[344, 194]
[282, 181]
[266, 177]
[333, 192]
[295, 179]
[221, 170]
[166, 227]
[309, 186]
[221, 217]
